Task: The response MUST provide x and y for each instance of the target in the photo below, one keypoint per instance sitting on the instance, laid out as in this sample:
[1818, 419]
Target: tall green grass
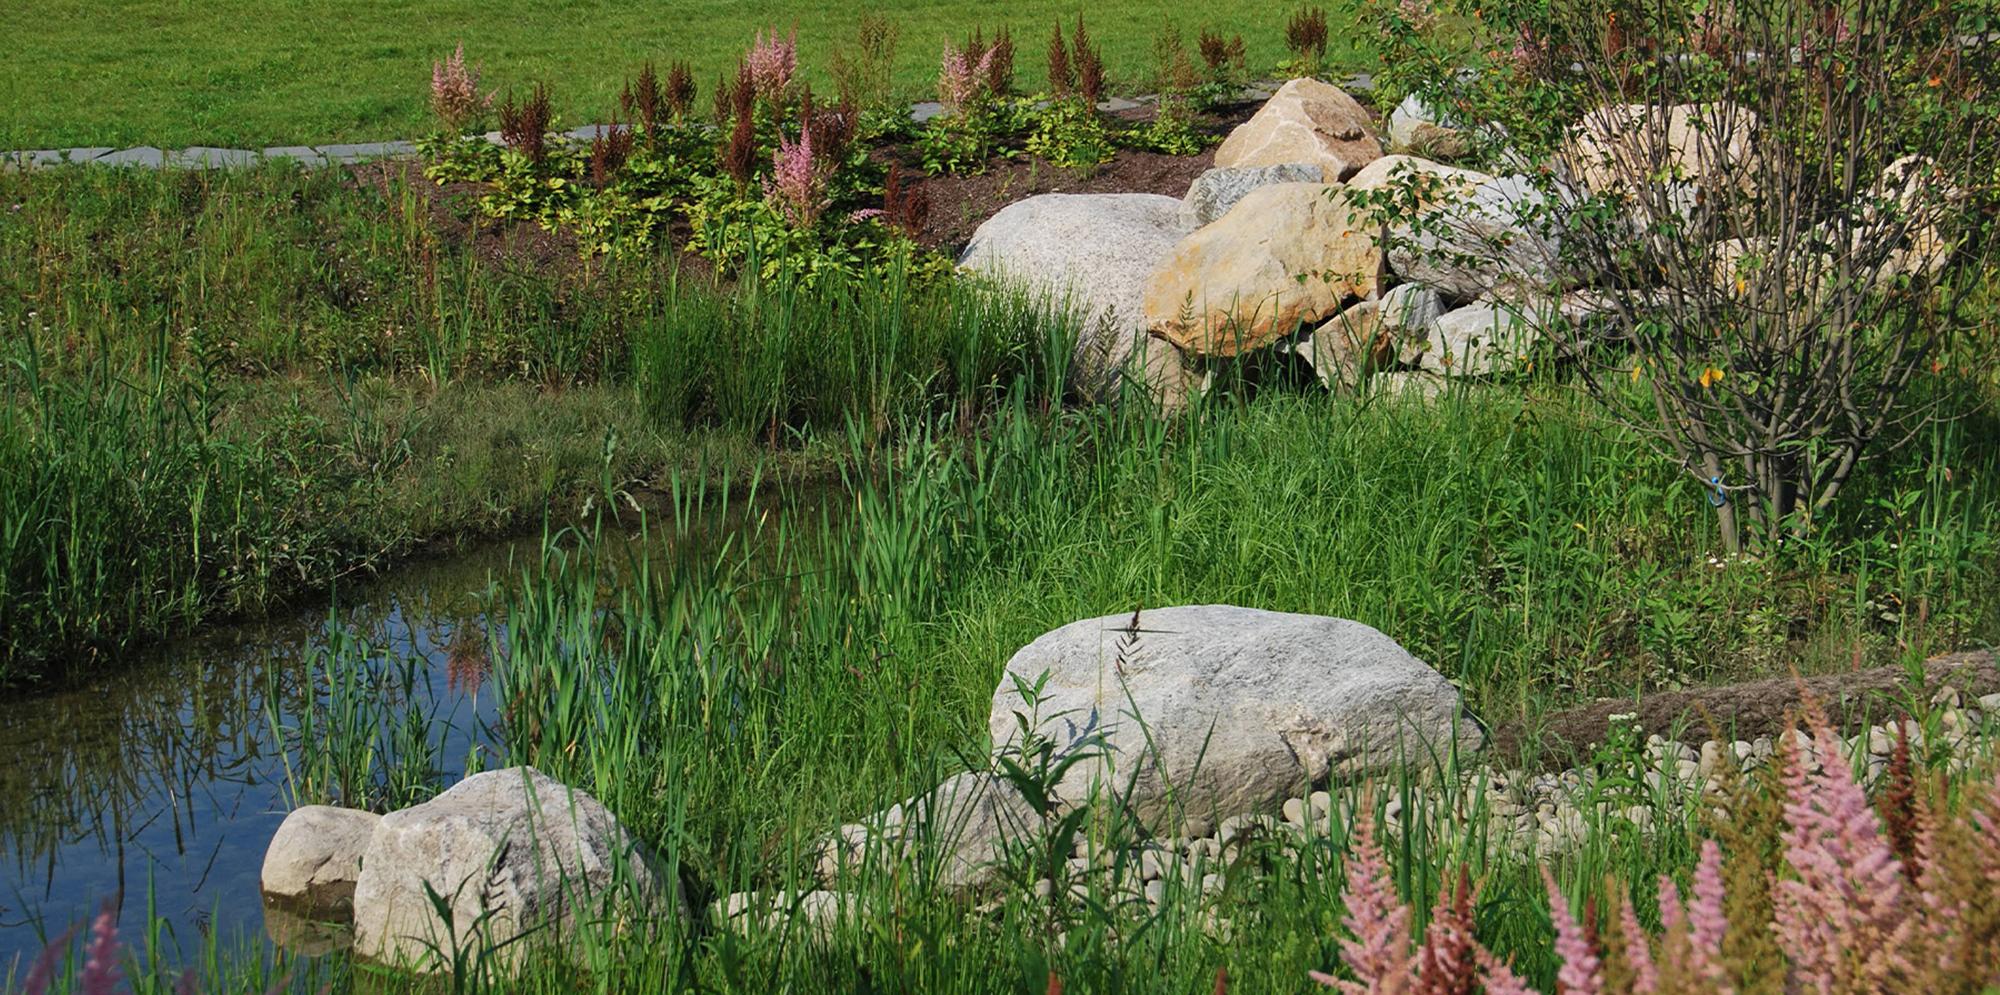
[225, 387]
[734, 706]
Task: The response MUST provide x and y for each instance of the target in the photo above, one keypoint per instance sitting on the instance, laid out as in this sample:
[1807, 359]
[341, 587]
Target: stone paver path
[206, 157]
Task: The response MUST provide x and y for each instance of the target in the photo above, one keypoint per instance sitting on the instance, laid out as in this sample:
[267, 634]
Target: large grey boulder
[1462, 232]
[1203, 711]
[512, 852]
[1095, 253]
[1215, 191]
[315, 858]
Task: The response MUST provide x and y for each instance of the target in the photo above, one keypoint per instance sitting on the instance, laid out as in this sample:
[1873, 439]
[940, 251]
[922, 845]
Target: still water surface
[166, 779]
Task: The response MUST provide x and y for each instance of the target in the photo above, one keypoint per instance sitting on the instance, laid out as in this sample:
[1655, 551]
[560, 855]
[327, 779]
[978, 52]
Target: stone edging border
[313, 156]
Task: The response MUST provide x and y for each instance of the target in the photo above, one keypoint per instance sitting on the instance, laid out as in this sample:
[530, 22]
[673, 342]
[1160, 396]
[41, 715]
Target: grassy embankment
[149, 72]
[174, 448]
[733, 710]
[226, 388]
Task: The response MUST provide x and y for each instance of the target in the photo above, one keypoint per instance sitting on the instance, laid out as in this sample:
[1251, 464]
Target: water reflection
[168, 778]
[165, 781]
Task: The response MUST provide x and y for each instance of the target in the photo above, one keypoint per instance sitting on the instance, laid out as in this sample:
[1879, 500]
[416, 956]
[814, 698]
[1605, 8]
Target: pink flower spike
[1638, 948]
[1843, 916]
[797, 185]
[773, 62]
[100, 965]
[1499, 978]
[455, 95]
[1708, 923]
[1376, 916]
[1582, 972]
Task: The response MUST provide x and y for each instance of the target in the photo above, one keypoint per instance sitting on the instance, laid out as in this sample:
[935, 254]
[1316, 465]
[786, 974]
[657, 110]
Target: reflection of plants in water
[366, 739]
[466, 661]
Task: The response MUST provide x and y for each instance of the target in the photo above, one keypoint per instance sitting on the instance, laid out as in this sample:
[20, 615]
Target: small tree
[1778, 204]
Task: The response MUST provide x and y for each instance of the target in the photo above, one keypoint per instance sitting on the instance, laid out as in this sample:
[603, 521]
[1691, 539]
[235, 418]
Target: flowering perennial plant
[1844, 913]
[455, 96]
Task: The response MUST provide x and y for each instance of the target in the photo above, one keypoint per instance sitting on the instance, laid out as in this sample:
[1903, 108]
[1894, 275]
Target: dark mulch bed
[1742, 711]
[957, 203]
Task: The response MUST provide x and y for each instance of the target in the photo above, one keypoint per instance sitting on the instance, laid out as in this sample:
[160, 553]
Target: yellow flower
[1710, 377]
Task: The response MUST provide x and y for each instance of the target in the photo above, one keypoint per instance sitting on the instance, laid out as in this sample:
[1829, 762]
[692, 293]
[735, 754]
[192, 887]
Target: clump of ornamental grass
[1842, 911]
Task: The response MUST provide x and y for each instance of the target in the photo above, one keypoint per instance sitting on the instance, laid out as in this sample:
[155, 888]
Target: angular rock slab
[1215, 191]
[1305, 121]
[1417, 128]
[1203, 711]
[1349, 346]
[1482, 339]
[1287, 254]
[52, 157]
[1463, 232]
[963, 830]
[515, 846]
[1621, 147]
[1093, 252]
[144, 156]
[363, 151]
[208, 157]
[315, 859]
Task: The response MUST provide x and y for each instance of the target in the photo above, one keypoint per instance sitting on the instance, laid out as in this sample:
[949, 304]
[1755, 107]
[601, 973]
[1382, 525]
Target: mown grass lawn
[251, 74]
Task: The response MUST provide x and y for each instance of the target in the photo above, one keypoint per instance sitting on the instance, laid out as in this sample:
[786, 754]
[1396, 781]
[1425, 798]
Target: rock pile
[509, 853]
[1295, 239]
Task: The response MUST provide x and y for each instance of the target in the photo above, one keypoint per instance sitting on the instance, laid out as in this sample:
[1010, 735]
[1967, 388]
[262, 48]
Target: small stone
[1295, 811]
[1989, 702]
[1156, 891]
[1211, 884]
[1322, 805]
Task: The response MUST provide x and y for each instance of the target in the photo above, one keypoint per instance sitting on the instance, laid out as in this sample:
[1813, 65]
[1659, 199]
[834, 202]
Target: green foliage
[1071, 134]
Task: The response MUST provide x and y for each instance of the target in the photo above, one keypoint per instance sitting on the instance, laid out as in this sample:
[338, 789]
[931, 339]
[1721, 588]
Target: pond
[163, 783]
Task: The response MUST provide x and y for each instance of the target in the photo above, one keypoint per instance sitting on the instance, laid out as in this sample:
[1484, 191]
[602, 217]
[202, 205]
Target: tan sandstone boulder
[1287, 254]
[1306, 121]
[1622, 146]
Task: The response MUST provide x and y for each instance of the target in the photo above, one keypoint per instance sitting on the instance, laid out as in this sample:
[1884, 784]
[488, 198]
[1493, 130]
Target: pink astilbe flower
[1707, 921]
[1376, 916]
[1582, 972]
[100, 964]
[773, 62]
[1446, 961]
[797, 184]
[1842, 918]
[1638, 947]
[961, 78]
[1500, 979]
[455, 97]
